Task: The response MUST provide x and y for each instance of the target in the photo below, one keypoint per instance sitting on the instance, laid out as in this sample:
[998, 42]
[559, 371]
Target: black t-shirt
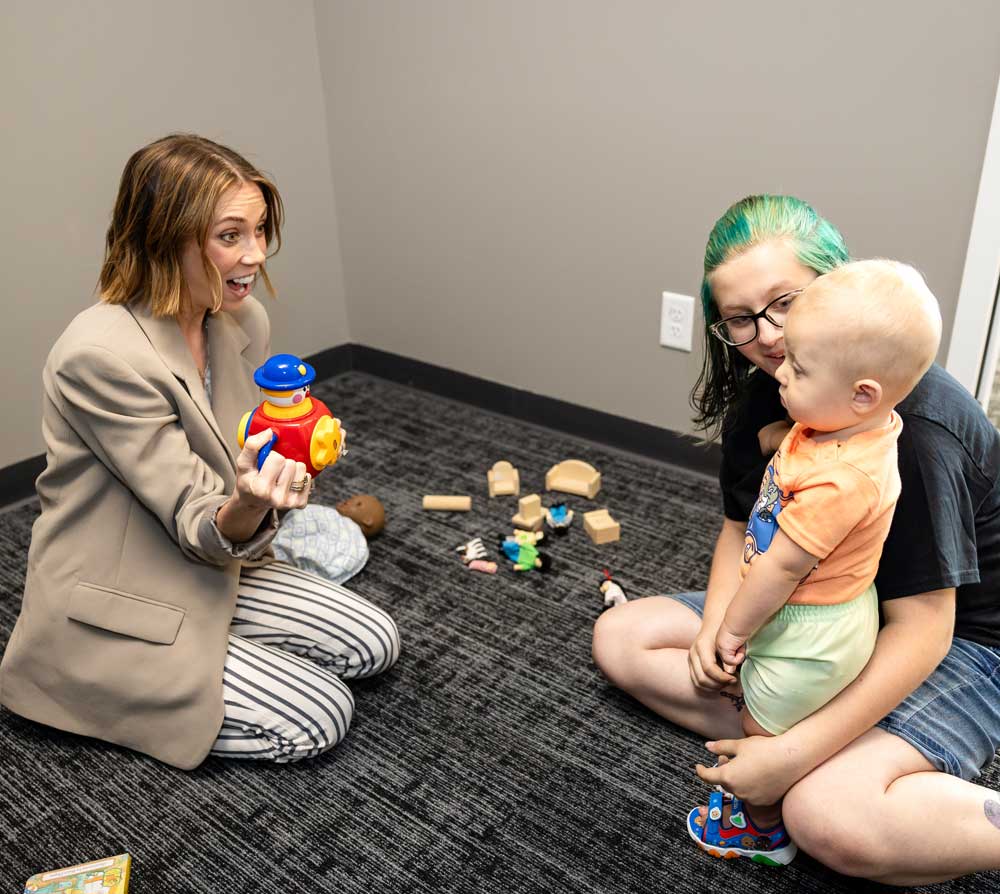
[946, 528]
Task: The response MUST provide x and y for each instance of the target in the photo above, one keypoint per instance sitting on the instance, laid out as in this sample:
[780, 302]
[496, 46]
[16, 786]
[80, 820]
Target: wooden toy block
[448, 503]
[601, 527]
[529, 515]
[503, 480]
[574, 476]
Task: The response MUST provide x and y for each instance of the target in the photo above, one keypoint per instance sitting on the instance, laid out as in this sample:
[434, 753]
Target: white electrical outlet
[676, 321]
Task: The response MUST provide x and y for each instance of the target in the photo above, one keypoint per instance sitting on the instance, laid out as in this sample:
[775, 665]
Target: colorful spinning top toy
[303, 427]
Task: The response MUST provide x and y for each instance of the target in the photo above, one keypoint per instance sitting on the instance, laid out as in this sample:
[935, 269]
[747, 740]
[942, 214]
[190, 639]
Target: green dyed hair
[752, 221]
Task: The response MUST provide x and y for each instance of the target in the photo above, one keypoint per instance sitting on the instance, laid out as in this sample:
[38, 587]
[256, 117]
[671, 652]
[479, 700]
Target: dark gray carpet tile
[492, 758]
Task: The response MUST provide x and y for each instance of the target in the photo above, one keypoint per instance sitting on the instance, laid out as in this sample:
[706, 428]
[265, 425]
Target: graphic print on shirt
[764, 518]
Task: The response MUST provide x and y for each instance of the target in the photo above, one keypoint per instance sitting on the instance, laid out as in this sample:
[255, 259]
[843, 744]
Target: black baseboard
[333, 361]
[573, 419]
[17, 482]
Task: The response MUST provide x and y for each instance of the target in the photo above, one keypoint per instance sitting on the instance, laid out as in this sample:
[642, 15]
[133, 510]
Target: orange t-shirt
[834, 499]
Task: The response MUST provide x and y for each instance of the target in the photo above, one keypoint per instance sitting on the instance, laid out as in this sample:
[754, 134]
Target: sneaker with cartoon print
[736, 835]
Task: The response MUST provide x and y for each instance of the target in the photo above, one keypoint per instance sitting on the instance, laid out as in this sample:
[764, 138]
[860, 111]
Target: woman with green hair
[877, 783]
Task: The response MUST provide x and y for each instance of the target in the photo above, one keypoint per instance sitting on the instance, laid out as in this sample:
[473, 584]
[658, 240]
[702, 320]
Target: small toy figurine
[474, 549]
[525, 556]
[613, 593]
[366, 510]
[526, 538]
[303, 427]
[559, 518]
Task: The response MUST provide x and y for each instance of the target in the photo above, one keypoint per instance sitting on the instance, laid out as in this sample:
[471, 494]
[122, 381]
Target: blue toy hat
[284, 372]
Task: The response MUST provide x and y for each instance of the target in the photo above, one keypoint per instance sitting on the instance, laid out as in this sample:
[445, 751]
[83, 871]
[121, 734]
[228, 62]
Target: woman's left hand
[280, 483]
[343, 440]
[771, 436]
[758, 769]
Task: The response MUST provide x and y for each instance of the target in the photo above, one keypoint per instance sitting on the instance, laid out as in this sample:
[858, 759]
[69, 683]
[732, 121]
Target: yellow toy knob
[324, 448]
[241, 432]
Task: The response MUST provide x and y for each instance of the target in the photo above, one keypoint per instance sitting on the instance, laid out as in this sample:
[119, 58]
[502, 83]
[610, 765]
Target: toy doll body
[303, 427]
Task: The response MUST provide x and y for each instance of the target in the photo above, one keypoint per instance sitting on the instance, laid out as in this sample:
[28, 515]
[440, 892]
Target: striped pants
[294, 638]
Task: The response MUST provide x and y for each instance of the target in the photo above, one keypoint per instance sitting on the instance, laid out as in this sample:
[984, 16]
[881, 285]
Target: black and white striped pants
[294, 638]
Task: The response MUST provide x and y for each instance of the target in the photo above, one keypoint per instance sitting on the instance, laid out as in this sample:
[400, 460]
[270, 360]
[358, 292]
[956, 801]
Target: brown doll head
[366, 510]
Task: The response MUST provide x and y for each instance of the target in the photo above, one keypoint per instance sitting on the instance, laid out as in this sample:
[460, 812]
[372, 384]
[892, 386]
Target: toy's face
[286, 398]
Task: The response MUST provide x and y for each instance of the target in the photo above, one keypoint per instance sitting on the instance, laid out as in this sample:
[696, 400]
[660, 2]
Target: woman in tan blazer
[154, 615]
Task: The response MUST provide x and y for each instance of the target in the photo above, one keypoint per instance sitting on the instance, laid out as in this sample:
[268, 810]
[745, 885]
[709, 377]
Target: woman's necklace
[203, 366]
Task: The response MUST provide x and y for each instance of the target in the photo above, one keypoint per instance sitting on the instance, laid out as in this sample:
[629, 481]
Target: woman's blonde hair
[168, 195]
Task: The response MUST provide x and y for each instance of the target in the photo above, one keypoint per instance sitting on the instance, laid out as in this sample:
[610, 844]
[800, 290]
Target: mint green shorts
[804, 656]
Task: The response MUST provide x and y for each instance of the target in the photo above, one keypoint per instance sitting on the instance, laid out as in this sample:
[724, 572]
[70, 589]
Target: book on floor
[105, 876]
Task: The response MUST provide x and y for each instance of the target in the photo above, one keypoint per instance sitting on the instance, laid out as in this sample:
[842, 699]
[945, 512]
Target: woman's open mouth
[240, 285]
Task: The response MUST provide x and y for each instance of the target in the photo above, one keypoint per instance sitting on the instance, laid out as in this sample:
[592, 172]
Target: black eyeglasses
[742, 328]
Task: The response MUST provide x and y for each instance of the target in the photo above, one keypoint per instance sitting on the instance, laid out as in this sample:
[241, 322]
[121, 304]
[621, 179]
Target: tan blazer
[130, 588]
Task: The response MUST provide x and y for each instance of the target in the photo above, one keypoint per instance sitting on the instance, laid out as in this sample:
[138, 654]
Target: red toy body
[302, 427]
[294, 435]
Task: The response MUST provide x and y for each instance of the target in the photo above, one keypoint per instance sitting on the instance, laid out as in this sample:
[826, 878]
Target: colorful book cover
[107, 876]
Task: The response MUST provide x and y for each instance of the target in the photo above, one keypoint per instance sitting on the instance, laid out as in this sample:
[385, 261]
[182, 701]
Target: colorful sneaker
[739, 837]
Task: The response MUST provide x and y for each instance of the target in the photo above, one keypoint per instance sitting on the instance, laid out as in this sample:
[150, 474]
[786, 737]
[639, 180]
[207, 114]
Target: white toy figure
[472, 550]
[613, 593]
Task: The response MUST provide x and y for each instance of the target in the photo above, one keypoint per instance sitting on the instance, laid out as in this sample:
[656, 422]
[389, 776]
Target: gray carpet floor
[492, 758]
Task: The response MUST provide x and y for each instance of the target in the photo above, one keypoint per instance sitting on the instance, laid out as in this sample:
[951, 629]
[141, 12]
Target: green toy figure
[525, 556]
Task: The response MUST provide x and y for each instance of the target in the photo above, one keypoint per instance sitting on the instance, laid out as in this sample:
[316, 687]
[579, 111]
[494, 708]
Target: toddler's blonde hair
[883, 322]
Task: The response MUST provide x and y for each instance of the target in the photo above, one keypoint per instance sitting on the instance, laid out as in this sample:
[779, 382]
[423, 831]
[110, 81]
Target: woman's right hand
[706, 673]
[271, 487]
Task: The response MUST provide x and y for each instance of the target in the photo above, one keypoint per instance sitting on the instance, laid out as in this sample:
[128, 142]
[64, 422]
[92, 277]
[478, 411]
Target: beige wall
[84, 85]
[518, 181]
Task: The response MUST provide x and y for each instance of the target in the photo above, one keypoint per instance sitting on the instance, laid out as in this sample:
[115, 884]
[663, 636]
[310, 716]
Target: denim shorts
[953, 717]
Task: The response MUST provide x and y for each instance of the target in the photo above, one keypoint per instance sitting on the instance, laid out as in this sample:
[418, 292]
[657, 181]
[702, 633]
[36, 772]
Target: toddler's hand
[732, 649]
[706, 673]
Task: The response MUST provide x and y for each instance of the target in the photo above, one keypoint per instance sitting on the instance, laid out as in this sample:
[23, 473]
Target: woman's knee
[323, 726]
[834, 827]
[840, 813]
[611, 644]
[375, 650]
[389, 647]
[625, 632]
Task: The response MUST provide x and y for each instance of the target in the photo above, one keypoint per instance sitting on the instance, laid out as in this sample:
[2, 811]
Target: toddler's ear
[867, 395]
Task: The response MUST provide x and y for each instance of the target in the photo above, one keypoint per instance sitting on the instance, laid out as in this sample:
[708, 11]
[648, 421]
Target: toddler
[803, 623]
